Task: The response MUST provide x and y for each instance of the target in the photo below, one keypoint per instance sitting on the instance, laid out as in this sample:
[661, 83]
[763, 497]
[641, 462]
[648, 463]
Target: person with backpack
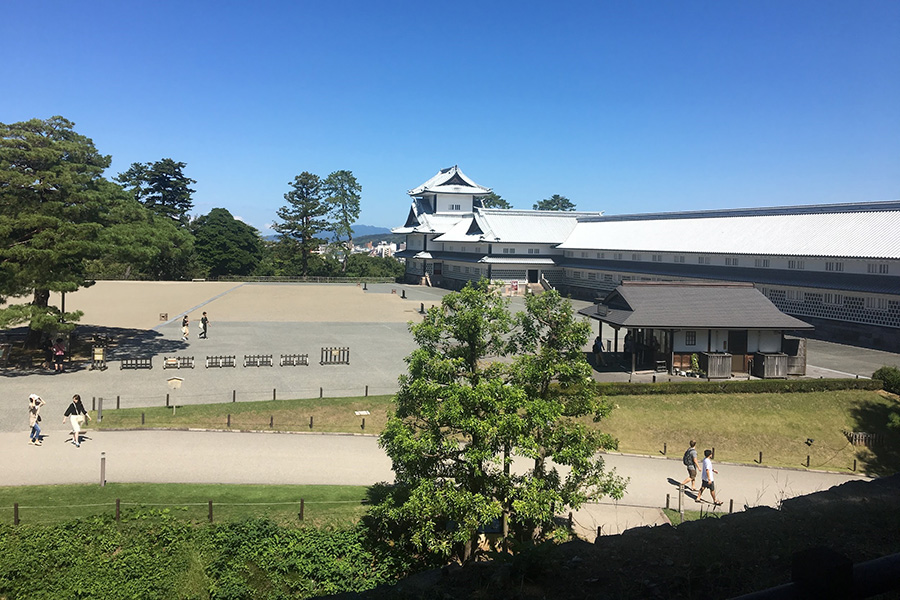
[690, 461]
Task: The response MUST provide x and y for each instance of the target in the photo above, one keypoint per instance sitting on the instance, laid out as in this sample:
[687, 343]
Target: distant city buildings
[836, 266]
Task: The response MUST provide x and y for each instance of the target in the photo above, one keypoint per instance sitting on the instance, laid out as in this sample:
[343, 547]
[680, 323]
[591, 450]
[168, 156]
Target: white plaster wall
[444, 202]
[769, 341]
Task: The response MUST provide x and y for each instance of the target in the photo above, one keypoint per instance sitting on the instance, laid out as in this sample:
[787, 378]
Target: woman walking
[185, 330]
[34, 417]
[77, 414]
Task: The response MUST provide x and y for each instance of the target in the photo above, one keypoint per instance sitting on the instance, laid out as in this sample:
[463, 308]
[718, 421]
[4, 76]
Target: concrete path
[279, 458]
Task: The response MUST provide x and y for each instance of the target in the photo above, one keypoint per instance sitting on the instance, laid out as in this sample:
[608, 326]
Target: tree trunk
[41, 300]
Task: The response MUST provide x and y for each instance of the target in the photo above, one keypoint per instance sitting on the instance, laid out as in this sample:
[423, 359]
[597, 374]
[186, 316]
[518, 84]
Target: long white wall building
[836, 266]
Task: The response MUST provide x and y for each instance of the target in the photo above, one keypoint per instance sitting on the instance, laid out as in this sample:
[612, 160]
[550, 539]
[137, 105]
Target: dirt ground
[146, 304]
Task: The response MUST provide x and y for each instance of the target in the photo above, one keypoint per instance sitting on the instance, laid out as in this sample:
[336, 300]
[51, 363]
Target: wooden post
[142, 418]
[665, 448]
[300, 514]
[167, 400]
[93, 402]
[118, 511]
[228, 422]
[103, 469]
[760, 457]
[100, 411]
[731, 506]
[713, 456]
[210, 512]
[680, 504]
[367, 391]
[117, 402]
[363, 426]
[273, 393]
[807, 461]
[320, 392]
[233, 395]
[15, 513]
[854, 465]
[271, 421]
[668, 498]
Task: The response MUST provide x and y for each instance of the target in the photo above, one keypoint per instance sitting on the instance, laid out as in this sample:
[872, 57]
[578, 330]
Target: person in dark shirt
[76, 414]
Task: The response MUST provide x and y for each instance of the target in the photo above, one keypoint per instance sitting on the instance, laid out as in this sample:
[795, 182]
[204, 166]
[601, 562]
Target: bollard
[15, 513]
[228, 422]
[103, 469]
[760, 457]
[731, 506]
[367, 391]
[271, 421]
[422, 307]
[363, 426]
[665, 448]
[807, 461]
[117, 402]
[142, 418]
[365, 289]
[854, 464]
[273, 393]
[210, 511]
[599, 530]
[320, 392]
[167, 401]
[403, 294]
[680, 505]
[668, 499]
[93, 402]
[300, 514]
[100, 411]
[118, 512]
[713, 453]
[233, 395]
[310, 422]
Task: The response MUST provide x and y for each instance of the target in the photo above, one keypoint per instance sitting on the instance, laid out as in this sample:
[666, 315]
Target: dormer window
[456, 207]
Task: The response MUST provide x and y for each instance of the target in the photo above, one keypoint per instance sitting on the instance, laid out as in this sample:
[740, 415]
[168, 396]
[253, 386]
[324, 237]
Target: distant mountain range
[358, 231]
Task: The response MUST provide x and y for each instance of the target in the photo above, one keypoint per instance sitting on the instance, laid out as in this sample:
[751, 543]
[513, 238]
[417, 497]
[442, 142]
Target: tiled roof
[450, 181]
[692, 306]
[863, 234]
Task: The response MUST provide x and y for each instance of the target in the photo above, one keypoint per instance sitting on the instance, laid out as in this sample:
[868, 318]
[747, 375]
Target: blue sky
[620, 106]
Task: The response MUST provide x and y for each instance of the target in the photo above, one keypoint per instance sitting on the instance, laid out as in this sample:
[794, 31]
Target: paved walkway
[294, 459]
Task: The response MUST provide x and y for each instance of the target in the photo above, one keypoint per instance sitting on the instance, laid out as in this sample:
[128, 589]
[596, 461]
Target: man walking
[690, 461]
[204, 323]
[708, 481]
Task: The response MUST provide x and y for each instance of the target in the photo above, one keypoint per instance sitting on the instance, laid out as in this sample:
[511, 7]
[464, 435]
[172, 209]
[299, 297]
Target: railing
[136, 363]
[257, 360]
[220, 361]
[178, 362]
[294, 360]
[335, 356]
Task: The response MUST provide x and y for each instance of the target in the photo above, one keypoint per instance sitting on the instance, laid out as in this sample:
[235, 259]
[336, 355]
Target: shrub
[736, 386]
[890, 377]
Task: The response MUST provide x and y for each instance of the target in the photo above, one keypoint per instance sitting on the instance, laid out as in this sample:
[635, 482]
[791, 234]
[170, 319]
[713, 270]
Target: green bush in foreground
[735, 386]
[154, 555]
[890, 377]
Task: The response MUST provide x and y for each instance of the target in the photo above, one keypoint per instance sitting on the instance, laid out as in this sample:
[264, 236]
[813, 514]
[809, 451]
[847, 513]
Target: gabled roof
[654, 305]
[861, 231]
[450, 181]
[421, 220]
[516, 226]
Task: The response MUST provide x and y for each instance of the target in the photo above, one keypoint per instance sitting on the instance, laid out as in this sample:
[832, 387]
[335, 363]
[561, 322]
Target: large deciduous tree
[162, 187]
[555, 202]
[303, 218]
[224, 245]
[482, 387]
[342, 193]
[52, 208]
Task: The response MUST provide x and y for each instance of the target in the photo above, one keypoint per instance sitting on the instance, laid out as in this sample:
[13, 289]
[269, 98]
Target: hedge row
[736, 386]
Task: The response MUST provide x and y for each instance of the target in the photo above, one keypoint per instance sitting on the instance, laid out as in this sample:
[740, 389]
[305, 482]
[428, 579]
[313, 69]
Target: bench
[661, 366]
[98, 358]
[335, 356]
[136, 363]
[257, 360]
[220, 361]
[294, 360]
[178, 362]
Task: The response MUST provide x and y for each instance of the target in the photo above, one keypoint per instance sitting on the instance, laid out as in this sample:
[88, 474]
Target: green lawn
[738, 426]
[323, 505]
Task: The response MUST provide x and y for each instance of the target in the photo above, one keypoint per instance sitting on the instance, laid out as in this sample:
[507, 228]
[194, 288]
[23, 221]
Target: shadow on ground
[882, 457]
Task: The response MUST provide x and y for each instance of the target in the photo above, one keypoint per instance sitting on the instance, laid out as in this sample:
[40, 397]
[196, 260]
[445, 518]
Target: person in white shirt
[708, 482]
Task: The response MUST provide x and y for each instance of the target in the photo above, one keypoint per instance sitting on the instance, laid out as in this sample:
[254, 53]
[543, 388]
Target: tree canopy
[555, 202]
[493, 200]
[162, 187]
[343, 194]
[482, 387]
[53, 207]
[224, 245]
[303, 218]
